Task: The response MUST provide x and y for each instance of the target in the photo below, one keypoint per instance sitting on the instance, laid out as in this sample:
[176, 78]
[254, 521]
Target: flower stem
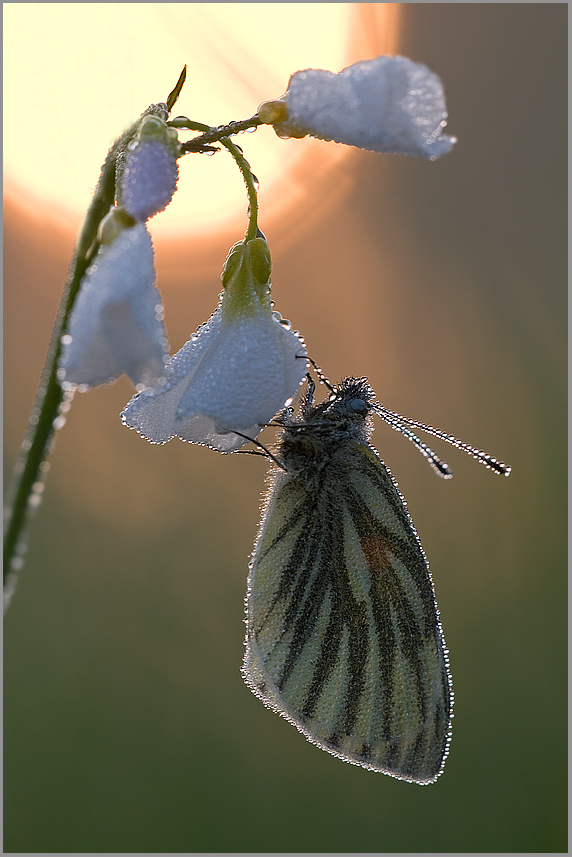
[251, 183]
[29, 470]
[220, 135]
[214, 135]
[49, 397]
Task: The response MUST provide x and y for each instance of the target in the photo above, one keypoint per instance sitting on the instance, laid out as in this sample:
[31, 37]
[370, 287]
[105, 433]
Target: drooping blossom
[389, 104]
[237, 371]
[116, 325]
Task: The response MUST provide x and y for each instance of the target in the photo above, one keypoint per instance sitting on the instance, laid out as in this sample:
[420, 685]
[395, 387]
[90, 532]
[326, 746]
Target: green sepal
[113, 224]
[154, 128]
[246, 279]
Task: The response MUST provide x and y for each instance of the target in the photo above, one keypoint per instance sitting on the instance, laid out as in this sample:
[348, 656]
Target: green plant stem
[220, 135]
[49, 397]
[250, 182]
[214, 134]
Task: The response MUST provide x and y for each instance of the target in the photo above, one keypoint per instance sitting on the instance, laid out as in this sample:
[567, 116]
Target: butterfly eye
[357, 405]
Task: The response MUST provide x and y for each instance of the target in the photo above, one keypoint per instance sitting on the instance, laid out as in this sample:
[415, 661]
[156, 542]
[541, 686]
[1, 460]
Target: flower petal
[116, 324]
[230, 377]
[388, 104]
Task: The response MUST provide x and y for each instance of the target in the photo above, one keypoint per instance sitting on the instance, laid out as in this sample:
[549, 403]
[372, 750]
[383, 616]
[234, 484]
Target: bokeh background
[127, 725]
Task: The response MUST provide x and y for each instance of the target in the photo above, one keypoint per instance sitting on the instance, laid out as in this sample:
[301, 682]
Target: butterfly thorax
[327, 433]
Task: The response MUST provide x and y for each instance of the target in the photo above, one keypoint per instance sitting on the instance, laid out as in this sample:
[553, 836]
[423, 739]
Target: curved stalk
[251, 186]
[51, 399]
[220, 135]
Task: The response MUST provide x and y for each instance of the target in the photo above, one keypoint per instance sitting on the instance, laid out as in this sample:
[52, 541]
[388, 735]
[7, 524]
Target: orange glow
[73, 82]
[301, 189]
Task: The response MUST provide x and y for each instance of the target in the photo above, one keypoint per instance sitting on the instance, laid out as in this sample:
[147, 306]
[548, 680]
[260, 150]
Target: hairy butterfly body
[343, 634]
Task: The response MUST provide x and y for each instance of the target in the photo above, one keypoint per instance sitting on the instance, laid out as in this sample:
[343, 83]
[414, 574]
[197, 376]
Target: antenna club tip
[499, 467]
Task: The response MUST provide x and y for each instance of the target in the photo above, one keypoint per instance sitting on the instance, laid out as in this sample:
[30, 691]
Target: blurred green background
[127, 725]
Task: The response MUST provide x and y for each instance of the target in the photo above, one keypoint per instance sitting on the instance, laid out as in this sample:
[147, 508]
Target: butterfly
[343, 636]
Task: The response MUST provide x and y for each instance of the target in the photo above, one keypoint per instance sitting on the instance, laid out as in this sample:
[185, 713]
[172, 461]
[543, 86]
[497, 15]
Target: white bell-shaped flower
[234, 374]
[150, 171]
[116, 325]
[388, 104]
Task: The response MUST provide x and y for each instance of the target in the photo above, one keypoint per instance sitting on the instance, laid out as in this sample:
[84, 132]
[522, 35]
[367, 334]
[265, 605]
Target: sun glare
[75, 75]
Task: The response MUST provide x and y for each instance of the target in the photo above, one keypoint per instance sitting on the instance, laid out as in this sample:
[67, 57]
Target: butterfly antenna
[393, 420]
[405, 424]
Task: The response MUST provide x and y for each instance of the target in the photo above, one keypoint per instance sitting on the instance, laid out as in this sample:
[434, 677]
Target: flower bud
[150, 171]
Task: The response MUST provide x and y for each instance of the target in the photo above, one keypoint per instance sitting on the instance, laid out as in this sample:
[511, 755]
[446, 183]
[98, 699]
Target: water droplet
[67, 339]
[251, 130]
[21, 548]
